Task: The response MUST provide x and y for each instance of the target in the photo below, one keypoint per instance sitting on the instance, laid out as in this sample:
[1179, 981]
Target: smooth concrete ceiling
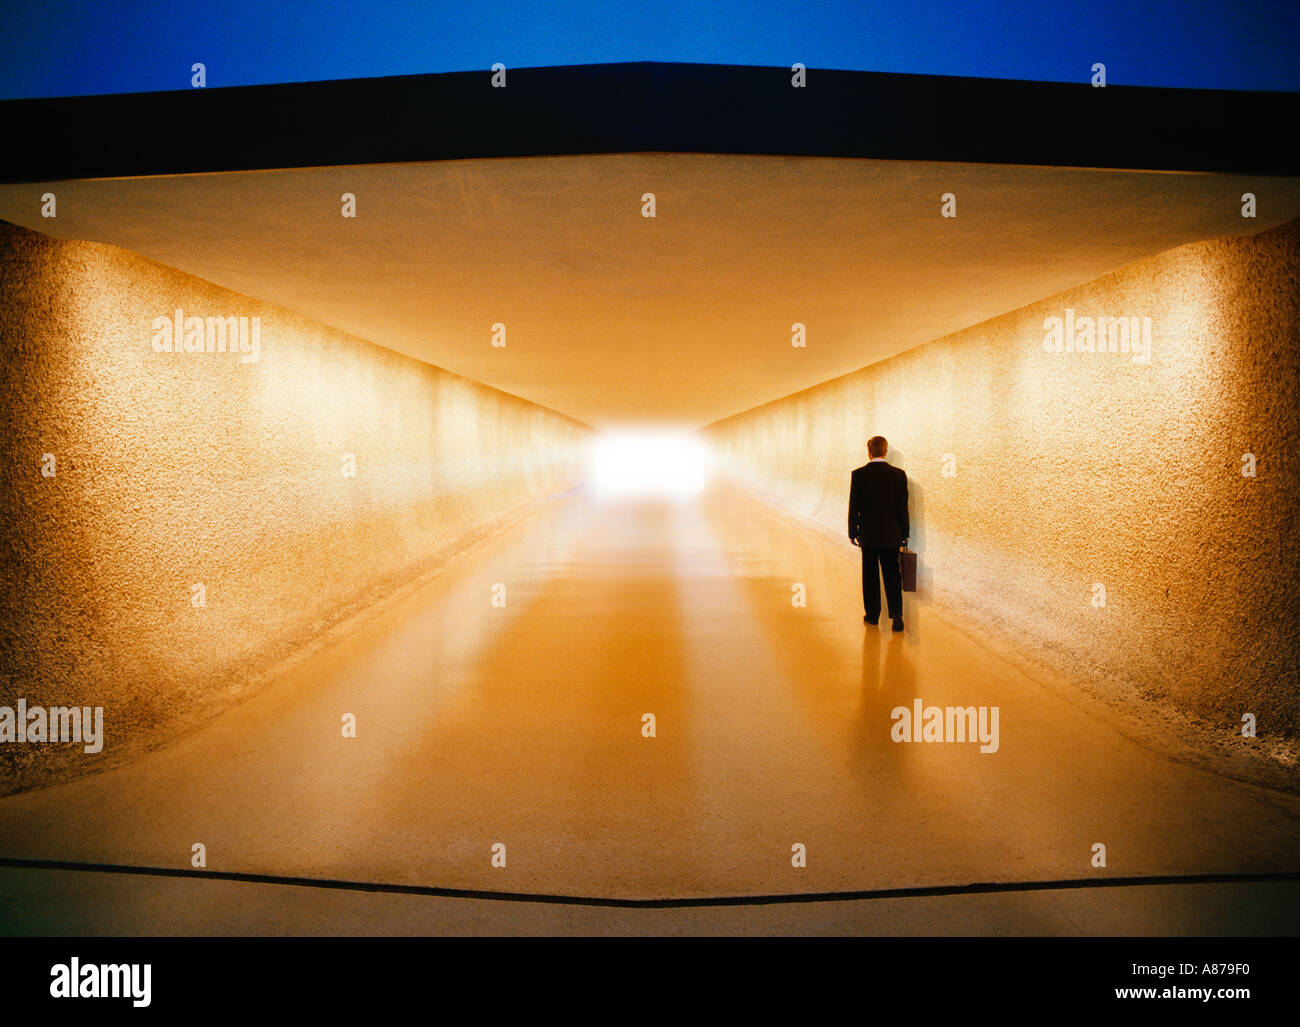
[612, 317]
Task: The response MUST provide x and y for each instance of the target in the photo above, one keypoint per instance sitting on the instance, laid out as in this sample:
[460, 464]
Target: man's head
[877, 446]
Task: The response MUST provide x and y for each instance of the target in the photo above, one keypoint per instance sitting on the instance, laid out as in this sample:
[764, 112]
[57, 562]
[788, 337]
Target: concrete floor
[522, 726]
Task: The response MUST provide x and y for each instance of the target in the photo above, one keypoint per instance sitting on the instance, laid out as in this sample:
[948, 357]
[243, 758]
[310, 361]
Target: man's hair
[877, 446]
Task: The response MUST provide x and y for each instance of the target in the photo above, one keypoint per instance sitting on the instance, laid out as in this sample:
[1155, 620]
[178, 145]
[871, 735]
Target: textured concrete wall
[174, 469]
[1079, 468]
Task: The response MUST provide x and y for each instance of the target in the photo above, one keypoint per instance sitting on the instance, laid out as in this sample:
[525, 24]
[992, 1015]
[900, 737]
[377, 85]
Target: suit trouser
[887, 561]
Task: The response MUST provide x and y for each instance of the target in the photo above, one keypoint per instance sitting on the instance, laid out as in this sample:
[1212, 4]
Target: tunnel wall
[1071, 470]
[180, 469]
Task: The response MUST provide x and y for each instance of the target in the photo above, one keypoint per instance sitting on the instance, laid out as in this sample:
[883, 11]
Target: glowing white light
[652, 463]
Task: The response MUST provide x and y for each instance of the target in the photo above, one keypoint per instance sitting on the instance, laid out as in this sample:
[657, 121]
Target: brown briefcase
[907, 564]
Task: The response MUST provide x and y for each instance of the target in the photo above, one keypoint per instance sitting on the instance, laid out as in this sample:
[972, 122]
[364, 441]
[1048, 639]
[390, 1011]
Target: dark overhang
[618, 108]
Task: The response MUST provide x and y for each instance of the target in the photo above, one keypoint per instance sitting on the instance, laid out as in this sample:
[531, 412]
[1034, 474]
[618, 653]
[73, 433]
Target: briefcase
[907, 564]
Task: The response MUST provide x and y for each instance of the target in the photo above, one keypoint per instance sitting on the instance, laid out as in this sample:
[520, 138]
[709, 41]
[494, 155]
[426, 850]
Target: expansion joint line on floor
[977, 888]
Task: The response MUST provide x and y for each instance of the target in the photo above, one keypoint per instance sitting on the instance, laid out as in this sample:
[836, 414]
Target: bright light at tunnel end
[648, 463]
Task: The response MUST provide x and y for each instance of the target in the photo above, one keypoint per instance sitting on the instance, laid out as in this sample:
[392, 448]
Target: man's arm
[855, 510]
[904, 525]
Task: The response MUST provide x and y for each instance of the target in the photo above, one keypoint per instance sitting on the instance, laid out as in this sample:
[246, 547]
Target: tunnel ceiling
[687, 317]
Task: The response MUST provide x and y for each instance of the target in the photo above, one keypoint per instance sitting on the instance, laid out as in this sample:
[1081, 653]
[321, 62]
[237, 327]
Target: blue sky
[78, 47]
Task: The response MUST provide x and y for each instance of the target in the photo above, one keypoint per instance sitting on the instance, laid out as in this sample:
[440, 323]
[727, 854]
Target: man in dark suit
[878, 525]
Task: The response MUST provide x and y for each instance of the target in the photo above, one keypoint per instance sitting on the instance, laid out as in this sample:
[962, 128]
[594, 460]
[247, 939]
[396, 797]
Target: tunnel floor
[479, 725]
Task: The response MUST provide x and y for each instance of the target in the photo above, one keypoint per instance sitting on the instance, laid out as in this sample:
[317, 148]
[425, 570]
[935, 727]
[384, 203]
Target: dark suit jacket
[878, 506]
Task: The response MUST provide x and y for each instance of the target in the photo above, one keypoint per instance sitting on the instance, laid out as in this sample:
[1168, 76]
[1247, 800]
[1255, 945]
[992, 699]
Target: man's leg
[893, 575]
[870, 584]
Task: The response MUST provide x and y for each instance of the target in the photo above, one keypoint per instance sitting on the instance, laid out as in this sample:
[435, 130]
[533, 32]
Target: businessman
[878, 525]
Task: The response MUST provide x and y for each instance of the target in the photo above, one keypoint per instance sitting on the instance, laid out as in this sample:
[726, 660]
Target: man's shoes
[873, 623]
[898, 623]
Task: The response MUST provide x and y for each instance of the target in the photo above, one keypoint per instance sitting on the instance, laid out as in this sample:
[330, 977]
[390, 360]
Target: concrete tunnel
[378, 597]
